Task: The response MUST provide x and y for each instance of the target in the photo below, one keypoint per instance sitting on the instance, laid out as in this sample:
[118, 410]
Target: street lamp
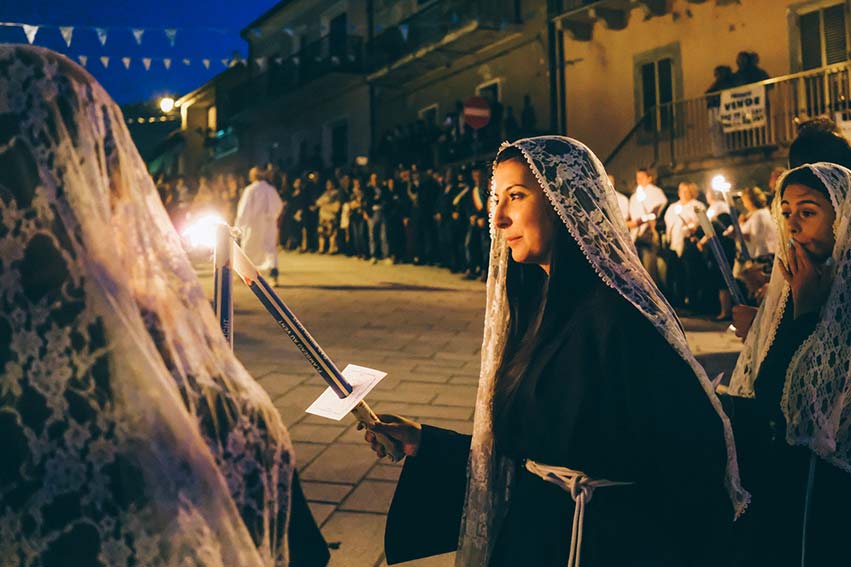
[166, 104]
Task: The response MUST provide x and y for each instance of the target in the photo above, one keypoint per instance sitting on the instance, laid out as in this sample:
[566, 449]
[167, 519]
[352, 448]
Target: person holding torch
[563, 411]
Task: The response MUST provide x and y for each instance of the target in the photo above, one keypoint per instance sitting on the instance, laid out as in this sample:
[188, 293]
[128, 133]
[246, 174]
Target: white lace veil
[127, 424]
[817, 388]
[576, 184]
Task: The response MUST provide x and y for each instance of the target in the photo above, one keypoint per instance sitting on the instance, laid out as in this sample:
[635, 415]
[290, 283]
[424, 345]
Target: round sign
[477, 112]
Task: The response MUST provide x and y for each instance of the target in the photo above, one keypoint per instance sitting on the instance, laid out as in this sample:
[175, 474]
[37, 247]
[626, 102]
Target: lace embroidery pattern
[576, 184]
[131, 434]
[817, 387]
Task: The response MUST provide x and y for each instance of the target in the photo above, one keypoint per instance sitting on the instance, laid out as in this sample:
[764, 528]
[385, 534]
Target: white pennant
[83, 59]
[101, 35]
[226, 62]
[206, 63]
[30, 32]
[126, 61]
[187, 62]
[137, 33]
[171, 34]
[105, 62]
[261, 63]
[279, 60]
[67, 33]
[167, 63]
[146, 61]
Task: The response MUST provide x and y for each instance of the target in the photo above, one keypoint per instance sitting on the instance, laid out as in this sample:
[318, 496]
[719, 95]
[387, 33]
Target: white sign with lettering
[743, 108]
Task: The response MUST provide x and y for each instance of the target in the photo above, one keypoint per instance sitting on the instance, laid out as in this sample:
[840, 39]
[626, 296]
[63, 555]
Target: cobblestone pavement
[421, 325]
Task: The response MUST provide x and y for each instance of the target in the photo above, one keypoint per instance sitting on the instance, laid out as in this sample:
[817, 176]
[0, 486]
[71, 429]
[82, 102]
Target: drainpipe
[367, 58]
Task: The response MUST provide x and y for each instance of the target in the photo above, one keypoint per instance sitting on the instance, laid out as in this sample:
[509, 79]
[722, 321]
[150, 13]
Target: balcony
[330, 54]
[438, 35]
[673, 135]
[578, 17]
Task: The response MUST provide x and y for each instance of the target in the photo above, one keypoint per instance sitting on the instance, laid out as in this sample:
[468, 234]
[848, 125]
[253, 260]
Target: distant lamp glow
[720, 183]
[166, 104]
[202, 232]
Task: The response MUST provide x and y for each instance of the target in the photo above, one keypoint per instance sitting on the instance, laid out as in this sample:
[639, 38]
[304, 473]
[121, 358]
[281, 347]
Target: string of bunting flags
[167, 62]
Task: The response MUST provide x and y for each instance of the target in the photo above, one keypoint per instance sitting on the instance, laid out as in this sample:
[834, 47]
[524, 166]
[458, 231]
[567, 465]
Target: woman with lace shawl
[565, 409]
[792, 382]
[131, 435]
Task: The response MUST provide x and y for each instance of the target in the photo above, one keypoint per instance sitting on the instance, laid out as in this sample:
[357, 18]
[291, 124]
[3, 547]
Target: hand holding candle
[721, 185]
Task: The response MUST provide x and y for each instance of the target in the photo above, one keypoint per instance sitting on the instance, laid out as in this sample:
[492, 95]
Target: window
[211, 118]
[429, 114]
[823, 37]
[340, 143]
[490, 90]
[658, 84]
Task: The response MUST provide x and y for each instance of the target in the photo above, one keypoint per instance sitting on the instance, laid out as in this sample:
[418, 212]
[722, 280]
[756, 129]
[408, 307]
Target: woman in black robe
[792, 382]
[587, 388]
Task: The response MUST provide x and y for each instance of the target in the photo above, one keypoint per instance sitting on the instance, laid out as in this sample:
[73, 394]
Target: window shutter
[810, 40]
[835, 39]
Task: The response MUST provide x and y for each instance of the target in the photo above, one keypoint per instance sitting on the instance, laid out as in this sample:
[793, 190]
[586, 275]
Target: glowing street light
[166, 104]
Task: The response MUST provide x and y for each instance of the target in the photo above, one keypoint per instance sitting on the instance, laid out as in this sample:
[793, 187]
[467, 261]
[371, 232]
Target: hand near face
[808, 279]
[743, 316]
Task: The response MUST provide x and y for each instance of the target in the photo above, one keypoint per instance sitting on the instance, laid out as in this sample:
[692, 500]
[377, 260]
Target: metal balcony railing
[330, 54]
[689, 130]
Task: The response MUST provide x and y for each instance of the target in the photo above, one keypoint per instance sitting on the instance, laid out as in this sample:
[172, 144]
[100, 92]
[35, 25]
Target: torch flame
[720, 183]
[202, 232]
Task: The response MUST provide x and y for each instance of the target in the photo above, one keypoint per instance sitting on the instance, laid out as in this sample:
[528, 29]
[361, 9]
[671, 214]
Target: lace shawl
[816, 397]
[577, 186]
[131, 434]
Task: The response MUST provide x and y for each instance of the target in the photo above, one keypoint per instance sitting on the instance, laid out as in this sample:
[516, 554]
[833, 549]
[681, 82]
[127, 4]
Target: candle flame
[202, 232]
[720, 184]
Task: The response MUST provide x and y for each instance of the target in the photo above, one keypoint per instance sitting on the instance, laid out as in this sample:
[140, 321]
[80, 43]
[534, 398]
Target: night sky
[194, 41]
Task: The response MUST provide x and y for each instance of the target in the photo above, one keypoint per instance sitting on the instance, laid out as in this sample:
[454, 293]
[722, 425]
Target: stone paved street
[422, 326]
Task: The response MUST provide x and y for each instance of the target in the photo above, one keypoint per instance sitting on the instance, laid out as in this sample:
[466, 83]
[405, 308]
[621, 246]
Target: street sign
[477, 112]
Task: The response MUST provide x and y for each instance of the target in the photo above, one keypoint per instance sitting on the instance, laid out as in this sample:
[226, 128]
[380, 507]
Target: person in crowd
[230, 197]
[446, 217]
[358, 236]
[204, 196]
[476, 214]
[771, 186]
[329, 204]
[684, 259]
[310, 220]
[564, 412]
[131, 434]
[645, 205]
[397, 209]
[718, 212]
[748, 70]
[257, 221]
[790, 387]
[375, 207]
[623, 200]
[757, 227]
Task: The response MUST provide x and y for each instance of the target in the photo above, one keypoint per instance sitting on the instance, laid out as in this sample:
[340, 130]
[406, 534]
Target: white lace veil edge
[817, 384]
[118, 243]
[574, 178]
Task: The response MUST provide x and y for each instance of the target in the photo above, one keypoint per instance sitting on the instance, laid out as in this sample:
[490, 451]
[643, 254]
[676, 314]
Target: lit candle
[720, 257]
[678, 210]
[723, 186]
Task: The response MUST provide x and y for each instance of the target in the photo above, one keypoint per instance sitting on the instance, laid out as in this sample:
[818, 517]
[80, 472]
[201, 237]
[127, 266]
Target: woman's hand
[743, 316]
[810, 282]
[403, 431]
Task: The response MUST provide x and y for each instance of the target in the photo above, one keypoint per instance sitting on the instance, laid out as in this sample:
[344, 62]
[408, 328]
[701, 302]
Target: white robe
[760, 233]
[653, 203]
[677, 225]
[257, 217]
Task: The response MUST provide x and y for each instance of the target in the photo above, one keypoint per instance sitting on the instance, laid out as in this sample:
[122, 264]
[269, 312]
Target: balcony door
[337, 36]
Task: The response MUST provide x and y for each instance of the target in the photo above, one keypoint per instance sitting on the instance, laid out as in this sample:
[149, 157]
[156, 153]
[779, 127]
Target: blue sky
[205, 29]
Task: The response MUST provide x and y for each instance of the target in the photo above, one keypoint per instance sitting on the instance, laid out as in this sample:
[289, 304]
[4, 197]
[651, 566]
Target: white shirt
[654, 200]
[677, 225]
[760, 233]
[257, 218]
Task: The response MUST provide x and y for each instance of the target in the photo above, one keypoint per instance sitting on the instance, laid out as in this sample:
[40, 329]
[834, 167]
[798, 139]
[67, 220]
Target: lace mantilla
[131, 435]
[817, 389]
[576, 184]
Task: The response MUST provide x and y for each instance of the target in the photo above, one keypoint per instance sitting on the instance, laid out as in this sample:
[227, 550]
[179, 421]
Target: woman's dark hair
[806, 177]
[818, 140]
[539, 308]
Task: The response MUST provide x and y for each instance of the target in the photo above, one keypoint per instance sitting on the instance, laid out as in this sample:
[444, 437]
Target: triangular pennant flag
[187, 62]
[83, 59]
[67, 33]
[146, 61]
[261, 62]
[171, 34]
[279, 60]
[101, 35]
[296, 60]
[30, 32]
[403, 29]
[226, 62]
[105, 62]
[206, 63]
[126, 61]
[137, 34]
[167, 63]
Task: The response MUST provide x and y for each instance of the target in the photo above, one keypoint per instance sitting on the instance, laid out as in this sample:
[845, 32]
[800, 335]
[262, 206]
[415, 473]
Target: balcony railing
[330, 54]
[689, 130]
[433, 23]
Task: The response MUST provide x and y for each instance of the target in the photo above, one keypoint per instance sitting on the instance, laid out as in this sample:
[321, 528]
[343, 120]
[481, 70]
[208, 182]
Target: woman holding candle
[130, 433]
[757, 227]
[562, 406]
[684, 260]
[792, 381]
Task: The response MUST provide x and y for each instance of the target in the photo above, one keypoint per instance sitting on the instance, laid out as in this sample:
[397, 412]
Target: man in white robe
[257, 219]
[645, 205]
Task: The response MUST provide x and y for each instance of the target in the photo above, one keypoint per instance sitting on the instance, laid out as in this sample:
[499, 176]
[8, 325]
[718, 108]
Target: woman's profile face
[523, 214]
[809, 219]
